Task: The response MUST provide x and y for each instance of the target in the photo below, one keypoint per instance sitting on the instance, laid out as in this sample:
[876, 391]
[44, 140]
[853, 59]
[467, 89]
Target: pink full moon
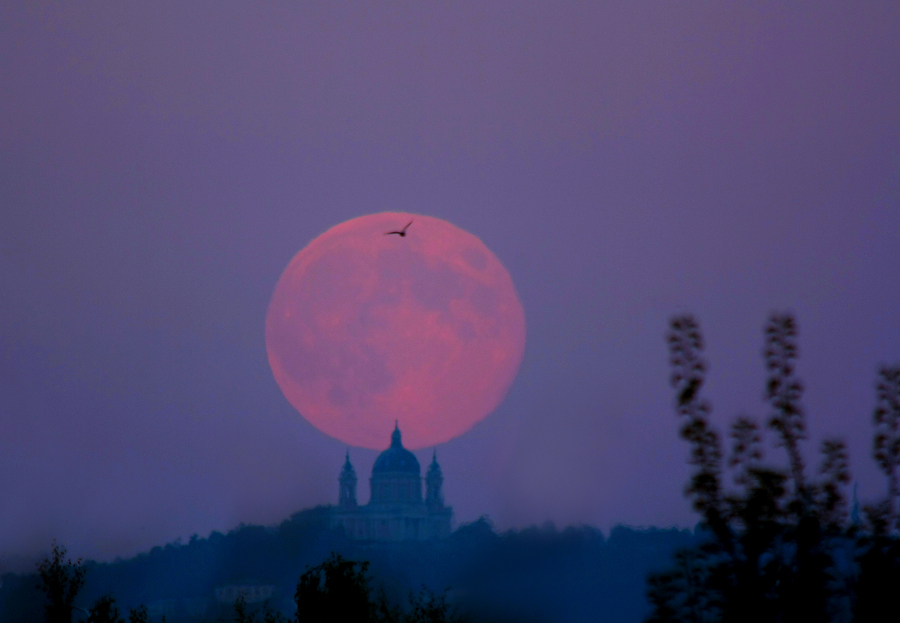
[366, 328]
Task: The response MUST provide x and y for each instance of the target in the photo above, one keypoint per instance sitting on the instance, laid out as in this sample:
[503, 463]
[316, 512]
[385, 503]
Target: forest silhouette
[774, 542]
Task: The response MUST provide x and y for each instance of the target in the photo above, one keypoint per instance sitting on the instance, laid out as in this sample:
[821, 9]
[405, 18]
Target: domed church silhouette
[396, 510]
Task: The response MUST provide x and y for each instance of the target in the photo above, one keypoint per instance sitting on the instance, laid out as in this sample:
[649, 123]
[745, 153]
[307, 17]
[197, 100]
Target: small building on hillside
[396, 510]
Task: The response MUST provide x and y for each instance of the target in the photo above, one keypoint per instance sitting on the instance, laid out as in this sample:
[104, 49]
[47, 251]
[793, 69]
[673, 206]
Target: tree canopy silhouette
[61, 581]
[340, 590]
[335, 590]
[779, 546]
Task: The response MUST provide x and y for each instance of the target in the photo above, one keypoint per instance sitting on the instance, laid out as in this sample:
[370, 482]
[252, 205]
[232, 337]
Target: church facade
[396, 511]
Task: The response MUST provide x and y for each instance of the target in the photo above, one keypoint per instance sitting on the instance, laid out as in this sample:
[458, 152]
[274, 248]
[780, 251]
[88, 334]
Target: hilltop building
[396, 510]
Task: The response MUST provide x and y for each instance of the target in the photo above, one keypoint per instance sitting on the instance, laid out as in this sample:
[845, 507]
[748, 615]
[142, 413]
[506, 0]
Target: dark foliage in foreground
[537, 574]
[340, 590]
[779, 547]
[61, 580]
[336, 590]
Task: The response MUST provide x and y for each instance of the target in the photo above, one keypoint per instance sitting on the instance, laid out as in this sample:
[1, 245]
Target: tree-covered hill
[536, 574]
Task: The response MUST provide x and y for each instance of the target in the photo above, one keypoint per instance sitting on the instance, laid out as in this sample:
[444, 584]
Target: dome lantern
[396, 458]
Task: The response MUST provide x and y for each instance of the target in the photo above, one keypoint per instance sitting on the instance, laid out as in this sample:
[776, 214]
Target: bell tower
[347, 497]
[434, 480]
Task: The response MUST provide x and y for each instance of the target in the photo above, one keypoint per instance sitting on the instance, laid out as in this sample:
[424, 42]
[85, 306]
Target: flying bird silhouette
[400, 233]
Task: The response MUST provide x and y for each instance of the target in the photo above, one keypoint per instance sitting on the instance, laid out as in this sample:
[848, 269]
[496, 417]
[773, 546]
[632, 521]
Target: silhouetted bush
[105, 610]
[61, 581]
[340, 590]
[779, 546]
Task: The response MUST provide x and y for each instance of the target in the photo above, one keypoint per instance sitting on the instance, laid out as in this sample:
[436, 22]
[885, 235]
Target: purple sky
[162, 163]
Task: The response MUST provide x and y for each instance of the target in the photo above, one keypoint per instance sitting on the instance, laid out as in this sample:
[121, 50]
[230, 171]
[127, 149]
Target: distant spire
[433, 482]
[348, 467]
[347, 480]
[434, 468]
[395, 436]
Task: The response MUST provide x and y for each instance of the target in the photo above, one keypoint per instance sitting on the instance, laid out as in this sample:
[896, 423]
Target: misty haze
[541, 312]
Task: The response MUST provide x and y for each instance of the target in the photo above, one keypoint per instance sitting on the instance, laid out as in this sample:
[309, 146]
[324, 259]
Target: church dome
[396, 458]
